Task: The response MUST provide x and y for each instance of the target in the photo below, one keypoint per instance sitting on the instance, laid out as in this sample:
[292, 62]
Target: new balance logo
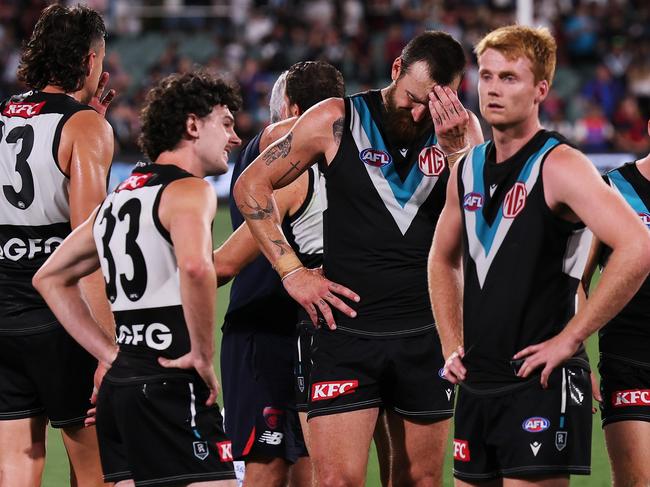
[271, 438]
[635, 397]
[330, 390]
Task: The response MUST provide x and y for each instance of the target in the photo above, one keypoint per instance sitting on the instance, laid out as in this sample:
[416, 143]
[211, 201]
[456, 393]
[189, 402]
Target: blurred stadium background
[600, 98]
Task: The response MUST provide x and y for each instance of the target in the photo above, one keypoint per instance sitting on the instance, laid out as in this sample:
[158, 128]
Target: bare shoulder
[565, 160]
[276, 131]
[88, 122]
[189, 195]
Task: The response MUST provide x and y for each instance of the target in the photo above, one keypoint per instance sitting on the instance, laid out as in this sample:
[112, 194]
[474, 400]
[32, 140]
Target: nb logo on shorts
[200, 449]
[155, 335]
[634, 397]
[225, 451]
[271, 438]
[461, 450]
[330, 390]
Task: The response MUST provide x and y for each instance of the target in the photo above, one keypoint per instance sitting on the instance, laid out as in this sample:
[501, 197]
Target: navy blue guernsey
[34, 208]
[522, 263]
[383, 203]
[257, 297]
[627, 336]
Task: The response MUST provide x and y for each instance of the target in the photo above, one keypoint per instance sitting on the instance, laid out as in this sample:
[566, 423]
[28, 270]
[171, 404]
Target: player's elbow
[196, 268]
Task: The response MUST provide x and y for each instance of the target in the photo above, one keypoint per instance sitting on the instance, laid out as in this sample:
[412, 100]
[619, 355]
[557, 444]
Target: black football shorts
[625, 387]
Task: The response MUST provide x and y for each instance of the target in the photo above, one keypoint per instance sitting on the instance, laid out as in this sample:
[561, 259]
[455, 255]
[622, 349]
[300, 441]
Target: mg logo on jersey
[645, 218]
[330, 390]
[536, 424]
[22, 110]
[515, 200]
[461, 450]
[134, 181]
[473, 201]
[272, 417]
[629, 398]
[431, 161]
[225, 451]
[155, 335]
[16, 248]
[375, 158]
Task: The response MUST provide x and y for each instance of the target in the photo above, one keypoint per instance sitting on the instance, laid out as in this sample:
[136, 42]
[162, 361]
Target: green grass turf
[56, 468]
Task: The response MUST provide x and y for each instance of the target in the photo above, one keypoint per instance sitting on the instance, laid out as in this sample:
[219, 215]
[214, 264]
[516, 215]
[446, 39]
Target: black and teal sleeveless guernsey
[627, 336]
[141, 273]
[34, 209]
[522, 263]
[257, 297]
[383, 203]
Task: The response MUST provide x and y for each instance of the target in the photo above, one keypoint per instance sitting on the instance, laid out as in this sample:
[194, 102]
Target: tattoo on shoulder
[282, 246]
[256, 211]
[294, 166]
[337, 129]
[282, 149]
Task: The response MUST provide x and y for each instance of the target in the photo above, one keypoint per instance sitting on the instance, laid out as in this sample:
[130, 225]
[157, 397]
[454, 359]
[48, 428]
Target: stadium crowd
[601, 97]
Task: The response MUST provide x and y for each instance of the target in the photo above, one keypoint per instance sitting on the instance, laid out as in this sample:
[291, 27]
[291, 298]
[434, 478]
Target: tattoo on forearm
[258, 212]
[337, 129]
[280, 150]
[295, 166]
[281, 244]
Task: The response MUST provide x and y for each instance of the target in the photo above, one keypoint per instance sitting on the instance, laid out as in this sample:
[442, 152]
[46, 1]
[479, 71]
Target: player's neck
[643, 165]
[55, 89]
[508, 141]
[182, 158]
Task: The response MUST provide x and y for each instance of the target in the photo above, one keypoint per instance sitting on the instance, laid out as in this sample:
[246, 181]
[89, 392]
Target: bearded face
[399, 123]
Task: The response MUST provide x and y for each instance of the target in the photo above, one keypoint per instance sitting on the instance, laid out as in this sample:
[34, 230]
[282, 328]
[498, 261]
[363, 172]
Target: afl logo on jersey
[645, 218]
[535, 424]
[134, 181]
[473, 201]
[23, 110]
[431, 161]
[375, 158]
[515, 200]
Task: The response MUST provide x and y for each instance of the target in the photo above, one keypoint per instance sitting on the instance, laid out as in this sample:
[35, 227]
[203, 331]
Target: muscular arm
[314, 135]
[58, 282]
[241, 248]
[571, 182]
[446, 280]
[85, 152]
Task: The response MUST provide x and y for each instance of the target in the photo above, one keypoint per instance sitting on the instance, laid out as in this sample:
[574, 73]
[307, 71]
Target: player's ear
[192, 126]
[294, 111]
[396, 69]
[90, 62]
[542, 89]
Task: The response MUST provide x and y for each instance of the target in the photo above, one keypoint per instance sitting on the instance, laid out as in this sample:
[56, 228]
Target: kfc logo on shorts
[22, 110]
[645, 218]
[330, 390]
[375, 158]
[473, 201]
[461, 450]
[634, 397]
[225, 451]
[134, 181]
[431, 161]
[515, 200]
[272, 417]
[536, 424]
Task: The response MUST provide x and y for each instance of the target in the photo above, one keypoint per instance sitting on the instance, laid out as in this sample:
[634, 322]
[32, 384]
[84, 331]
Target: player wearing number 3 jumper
[55, 154]
[157, 421]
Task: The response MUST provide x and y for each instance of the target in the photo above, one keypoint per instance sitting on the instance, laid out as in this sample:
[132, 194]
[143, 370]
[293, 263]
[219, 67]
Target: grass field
[57, 473]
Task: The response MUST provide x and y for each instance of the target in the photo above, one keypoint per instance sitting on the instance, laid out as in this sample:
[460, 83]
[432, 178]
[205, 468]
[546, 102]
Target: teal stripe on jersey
[627, 191]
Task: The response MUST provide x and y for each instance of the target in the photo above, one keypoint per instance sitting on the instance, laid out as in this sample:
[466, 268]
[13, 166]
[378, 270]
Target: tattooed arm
[316, 135]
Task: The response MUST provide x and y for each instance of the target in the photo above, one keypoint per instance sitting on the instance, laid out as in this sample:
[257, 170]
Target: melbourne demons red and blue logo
[375, 157]
[645, 218]
[536, 424]
[473, 201]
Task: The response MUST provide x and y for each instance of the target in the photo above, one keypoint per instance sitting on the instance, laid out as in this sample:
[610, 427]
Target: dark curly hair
[57, 52]
[175, 97]
[309, 82]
